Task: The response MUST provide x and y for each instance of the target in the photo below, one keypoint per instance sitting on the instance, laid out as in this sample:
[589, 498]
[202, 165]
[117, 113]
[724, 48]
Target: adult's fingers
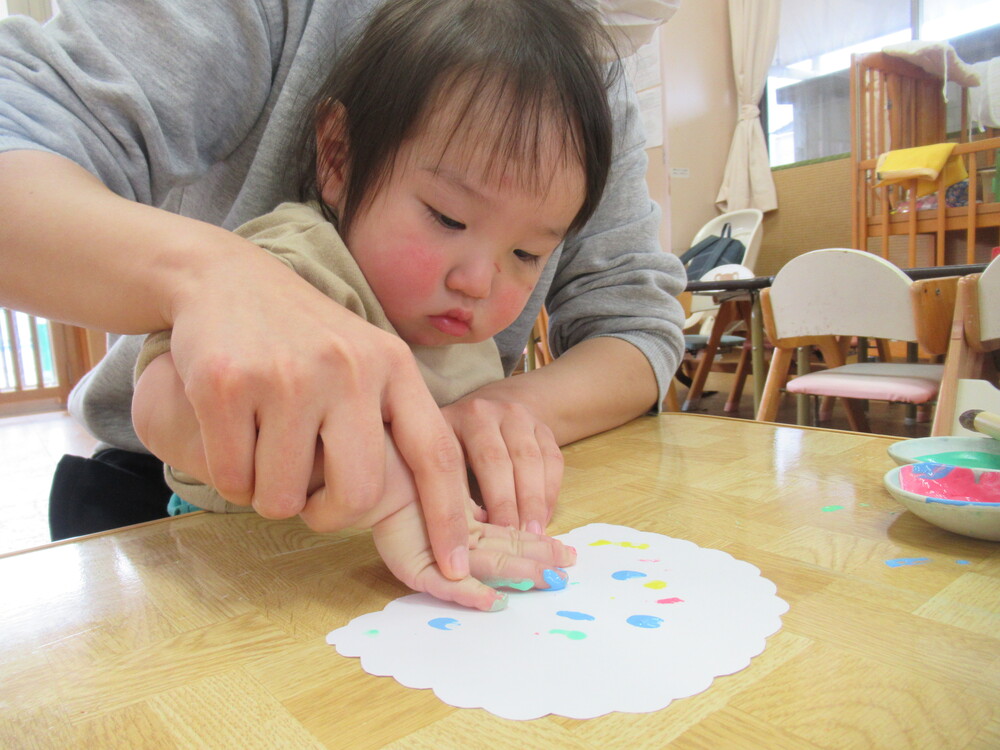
[432, 452]
[284, 458]
[226, 415]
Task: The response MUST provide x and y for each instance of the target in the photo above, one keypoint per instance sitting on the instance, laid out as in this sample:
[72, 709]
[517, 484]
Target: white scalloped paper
[646, 619]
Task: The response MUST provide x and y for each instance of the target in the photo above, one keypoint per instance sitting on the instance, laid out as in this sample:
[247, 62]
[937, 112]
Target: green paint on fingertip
[510, 583]
[500, 602]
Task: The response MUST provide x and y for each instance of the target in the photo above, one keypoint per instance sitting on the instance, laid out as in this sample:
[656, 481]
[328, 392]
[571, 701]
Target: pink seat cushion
[880, 381]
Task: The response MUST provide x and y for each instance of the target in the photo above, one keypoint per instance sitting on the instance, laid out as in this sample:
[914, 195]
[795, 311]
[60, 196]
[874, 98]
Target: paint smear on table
[609, 642]
[900, 562]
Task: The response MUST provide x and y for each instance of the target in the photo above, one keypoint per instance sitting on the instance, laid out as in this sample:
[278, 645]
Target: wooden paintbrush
[978, 420]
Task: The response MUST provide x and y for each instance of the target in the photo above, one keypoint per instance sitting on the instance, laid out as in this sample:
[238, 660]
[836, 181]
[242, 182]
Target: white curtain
[747, 183]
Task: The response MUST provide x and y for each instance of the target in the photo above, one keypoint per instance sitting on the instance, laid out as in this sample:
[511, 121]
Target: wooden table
[208, 631]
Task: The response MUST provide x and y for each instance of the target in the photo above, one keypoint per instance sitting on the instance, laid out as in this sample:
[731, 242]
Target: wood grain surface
[208, 631]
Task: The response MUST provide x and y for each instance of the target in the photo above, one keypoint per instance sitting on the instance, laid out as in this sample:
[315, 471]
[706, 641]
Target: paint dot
[831, 508]
[509, 583]
[626, 545]
[645, 621]
[900, 561]
[655, 585]
[650, 560]
[574, 615]
[373, 631]
[443, 623]
[671, 600]
[962, 562]
[624, 575]
[573, 635]
[556, 582]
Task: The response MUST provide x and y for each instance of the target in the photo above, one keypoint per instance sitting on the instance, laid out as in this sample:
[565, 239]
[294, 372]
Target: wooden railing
[41, 361]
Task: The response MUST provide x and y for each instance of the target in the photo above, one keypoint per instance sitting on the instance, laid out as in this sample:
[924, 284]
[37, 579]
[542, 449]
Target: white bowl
[978, 520]
[974, 452]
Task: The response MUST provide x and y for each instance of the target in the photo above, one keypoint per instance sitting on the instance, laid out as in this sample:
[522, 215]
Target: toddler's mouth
[454, 322]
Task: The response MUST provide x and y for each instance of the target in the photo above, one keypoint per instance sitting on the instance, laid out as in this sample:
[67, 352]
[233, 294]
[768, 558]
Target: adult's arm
[87, 143]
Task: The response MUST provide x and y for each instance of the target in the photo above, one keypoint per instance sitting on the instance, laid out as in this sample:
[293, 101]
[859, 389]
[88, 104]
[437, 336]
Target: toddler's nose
[473, 277]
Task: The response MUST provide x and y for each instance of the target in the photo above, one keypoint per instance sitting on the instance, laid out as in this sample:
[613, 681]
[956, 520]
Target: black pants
[114, 488]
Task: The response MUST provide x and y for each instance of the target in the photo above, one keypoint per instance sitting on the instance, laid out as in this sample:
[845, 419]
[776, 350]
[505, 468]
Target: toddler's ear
[332, 152]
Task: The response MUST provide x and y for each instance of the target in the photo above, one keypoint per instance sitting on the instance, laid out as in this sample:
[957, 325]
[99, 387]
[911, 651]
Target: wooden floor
[31, 446]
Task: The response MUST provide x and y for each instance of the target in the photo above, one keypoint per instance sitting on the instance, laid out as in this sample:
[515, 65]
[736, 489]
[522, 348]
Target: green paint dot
[831, 508]
[373, 631]
[573, 635]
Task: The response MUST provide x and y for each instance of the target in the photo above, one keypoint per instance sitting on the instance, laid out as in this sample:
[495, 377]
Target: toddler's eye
[526, 257]
[447, 221]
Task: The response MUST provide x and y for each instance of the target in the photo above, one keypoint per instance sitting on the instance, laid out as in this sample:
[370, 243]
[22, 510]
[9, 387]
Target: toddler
[453, 147]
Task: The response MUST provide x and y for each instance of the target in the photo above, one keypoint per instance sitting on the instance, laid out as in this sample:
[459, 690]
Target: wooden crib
[896, 105]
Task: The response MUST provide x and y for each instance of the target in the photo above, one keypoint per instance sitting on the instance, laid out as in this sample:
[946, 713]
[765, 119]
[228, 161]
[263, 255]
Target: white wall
[700, 113]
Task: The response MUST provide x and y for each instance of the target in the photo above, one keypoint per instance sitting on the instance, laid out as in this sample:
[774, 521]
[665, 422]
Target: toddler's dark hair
[521, 64]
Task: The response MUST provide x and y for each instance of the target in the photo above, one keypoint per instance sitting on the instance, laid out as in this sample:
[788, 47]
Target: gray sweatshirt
[192, 106]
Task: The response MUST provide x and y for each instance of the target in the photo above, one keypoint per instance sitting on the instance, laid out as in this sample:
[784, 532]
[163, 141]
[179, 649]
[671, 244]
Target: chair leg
[706, 356]
[739, 380]
[777, 376]
[856, 417]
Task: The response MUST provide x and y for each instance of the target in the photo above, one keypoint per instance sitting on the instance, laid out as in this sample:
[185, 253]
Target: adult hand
[514, 457]
[269, 364]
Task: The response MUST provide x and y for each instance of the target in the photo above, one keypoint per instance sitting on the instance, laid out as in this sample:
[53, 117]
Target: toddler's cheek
[507, 304]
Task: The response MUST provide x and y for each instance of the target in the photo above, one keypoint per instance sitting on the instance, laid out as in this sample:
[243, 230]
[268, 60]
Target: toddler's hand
[500, 557]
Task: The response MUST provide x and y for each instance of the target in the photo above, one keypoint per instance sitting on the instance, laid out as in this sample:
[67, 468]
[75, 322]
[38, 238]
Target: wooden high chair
[825, 298]
[971, 365]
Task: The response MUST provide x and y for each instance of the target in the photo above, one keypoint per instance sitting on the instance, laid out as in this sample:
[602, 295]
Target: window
[807, 97]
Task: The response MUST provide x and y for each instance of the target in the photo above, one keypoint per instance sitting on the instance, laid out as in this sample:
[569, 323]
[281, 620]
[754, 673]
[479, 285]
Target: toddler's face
[453, 250]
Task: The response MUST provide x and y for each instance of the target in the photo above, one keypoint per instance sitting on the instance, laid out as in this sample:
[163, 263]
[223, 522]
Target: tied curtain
[747, 182]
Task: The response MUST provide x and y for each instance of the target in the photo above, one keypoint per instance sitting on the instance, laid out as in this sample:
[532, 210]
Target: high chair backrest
[984, 328]
[974, 333]
[840, 292]
[747, 225]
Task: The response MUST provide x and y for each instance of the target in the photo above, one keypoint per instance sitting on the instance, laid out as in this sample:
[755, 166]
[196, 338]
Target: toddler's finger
[524, 544]
[468, 592]
[498, 570]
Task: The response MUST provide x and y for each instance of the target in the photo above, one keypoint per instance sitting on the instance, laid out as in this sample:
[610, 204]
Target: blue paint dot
[443, 623]
[624, 575]
[901, 561]
[645, 621]
[556, 582]
[574, 615]
[962, 562]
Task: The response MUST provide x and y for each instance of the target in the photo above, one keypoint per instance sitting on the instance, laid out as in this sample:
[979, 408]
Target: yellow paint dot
[656, 585]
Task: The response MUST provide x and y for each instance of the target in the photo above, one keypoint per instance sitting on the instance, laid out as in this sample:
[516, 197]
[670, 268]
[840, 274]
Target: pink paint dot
[671, 600]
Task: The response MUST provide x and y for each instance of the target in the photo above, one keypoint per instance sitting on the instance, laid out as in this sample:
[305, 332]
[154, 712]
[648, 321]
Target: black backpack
[711, 252]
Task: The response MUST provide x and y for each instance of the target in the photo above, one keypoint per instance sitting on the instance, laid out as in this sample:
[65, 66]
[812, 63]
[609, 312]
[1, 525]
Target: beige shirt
[300, 235]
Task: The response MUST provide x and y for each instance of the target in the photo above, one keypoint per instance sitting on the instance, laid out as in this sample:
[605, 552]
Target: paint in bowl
[973, 452]
[977, 519]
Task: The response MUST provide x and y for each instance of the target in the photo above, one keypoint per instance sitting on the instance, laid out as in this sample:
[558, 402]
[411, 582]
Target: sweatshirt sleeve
[145, 95]
[613, 279]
